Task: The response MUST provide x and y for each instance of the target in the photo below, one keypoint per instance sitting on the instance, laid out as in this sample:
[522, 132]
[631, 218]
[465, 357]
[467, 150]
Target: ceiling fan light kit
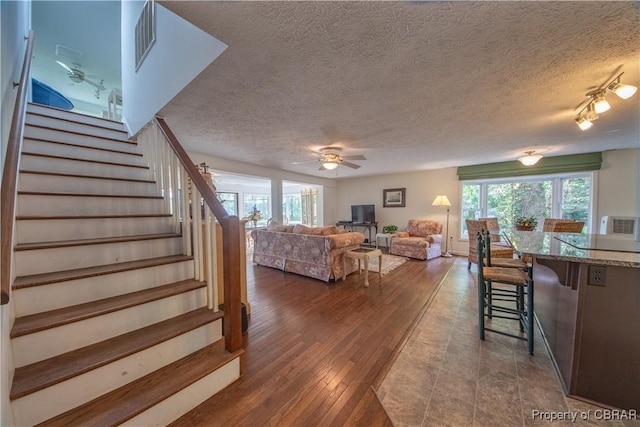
[330, 159]
[597, 103]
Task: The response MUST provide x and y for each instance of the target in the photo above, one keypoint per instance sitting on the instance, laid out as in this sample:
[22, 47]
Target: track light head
[600, 104]
[583, 123]
[622, 90]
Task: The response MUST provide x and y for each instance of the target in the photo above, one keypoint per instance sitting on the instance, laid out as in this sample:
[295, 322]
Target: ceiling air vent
[145, 32]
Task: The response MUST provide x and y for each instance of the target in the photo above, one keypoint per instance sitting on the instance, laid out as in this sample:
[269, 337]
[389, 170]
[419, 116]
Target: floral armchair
[421, 240]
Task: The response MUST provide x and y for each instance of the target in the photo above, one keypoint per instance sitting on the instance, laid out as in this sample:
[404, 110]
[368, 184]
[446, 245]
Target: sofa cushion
[412, 241]
[315, 231]
[281, 228]
[423, 227]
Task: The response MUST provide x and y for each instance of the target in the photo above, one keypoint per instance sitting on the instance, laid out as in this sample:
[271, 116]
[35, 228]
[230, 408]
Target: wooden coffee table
[362, 254]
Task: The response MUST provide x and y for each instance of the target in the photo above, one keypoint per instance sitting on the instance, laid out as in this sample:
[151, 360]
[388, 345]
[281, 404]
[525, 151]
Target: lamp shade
[530, 159]
[583, 123]
[441, 201]
[622, 90]
[330, 165]
[600, 104]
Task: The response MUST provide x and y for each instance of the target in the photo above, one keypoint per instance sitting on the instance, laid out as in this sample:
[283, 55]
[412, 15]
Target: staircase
[110, 325]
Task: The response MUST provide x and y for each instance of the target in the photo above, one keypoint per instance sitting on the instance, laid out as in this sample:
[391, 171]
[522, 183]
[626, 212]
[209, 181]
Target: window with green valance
[546, 165]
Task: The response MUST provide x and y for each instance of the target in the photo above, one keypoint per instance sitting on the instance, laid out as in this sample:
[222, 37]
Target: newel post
[232, 288]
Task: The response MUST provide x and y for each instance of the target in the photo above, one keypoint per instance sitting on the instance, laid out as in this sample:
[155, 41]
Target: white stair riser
[86, 140]
[71, 184]
[37, 261]
[29, 204]
[42, 345]
[51, 164]
[54, 230]
[35, 119]
[89, 153]
[80, 118]
[38, 299]
[188, 398]
[54, 400]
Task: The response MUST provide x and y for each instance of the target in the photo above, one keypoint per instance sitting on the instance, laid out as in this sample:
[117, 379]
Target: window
[229, 202]
[260, 202]
[292, 208]
[554, 196]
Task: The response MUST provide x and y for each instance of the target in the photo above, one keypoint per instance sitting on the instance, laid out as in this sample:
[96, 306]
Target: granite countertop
[583, 248]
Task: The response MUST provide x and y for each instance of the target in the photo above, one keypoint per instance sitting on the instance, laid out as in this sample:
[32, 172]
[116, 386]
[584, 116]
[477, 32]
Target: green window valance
[546, 165]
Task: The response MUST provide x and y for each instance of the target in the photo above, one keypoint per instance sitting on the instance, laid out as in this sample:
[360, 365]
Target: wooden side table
[362, 254]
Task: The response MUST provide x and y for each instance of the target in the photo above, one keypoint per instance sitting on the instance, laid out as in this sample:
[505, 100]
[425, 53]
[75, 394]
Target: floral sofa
[421, 240]
[314, 252]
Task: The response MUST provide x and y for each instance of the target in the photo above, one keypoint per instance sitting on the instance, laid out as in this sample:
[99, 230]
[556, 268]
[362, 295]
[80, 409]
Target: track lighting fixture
[597, 103]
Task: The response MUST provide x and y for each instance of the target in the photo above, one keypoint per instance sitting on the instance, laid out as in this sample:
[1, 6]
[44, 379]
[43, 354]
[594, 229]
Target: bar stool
[513, 300]
[503, 262]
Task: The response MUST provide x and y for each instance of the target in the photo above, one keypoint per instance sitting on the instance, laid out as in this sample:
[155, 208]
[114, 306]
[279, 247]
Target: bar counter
[587, 302]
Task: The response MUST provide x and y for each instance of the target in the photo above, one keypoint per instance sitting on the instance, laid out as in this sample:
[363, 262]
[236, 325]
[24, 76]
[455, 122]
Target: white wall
[15, 22]
[181, 51]
[421, 189]
[619, 184]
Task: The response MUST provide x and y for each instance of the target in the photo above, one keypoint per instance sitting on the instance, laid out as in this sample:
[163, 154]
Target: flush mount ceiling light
[596, 102]
[530, 159]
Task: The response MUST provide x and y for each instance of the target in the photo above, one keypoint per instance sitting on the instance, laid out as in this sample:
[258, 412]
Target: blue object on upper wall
[46, 95]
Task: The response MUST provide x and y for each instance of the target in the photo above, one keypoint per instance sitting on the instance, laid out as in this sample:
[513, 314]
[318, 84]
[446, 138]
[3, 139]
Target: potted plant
[526, 223]
[389, 229]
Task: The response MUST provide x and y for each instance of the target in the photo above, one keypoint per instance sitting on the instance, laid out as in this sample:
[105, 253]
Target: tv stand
[349, 225]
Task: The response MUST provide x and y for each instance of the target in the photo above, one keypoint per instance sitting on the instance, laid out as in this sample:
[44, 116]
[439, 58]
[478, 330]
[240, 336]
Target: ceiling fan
[330, 159]
[76, 75]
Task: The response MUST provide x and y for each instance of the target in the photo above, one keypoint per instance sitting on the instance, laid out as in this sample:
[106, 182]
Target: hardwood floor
[314, 350]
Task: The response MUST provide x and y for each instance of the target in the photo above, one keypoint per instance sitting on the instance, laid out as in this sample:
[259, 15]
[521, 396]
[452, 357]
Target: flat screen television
[363, 213]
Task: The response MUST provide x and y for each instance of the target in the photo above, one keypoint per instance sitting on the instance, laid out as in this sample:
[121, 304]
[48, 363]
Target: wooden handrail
[230, 238]
[10, 174]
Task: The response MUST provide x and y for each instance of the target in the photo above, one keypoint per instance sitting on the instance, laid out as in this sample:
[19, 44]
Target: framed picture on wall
[393, 198]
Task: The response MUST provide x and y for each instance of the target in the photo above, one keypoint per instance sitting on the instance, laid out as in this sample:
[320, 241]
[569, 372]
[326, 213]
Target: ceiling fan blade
[65, 66]
[305, 161]
[350, 165]
[354, 157]
[322, 168]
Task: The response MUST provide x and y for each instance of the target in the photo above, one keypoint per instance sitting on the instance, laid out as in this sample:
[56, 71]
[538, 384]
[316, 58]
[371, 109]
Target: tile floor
[446, 376]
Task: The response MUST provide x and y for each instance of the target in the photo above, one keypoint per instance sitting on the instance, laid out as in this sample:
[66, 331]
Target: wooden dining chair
[551, 223]
[569, 227]
[497, 251]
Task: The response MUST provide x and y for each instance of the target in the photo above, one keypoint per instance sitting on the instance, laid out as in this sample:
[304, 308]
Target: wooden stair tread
[79, 159]
[126, 402]
[87, 147]
[69, 118]
[75, 132]
[81, 273]
[59, 193]
[54, 318]
[98, 241]
[77, 175]
[43, 217]
[36, 376]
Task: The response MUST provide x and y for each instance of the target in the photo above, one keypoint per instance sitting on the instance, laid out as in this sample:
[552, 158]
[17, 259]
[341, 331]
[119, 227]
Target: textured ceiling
[410, 85]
